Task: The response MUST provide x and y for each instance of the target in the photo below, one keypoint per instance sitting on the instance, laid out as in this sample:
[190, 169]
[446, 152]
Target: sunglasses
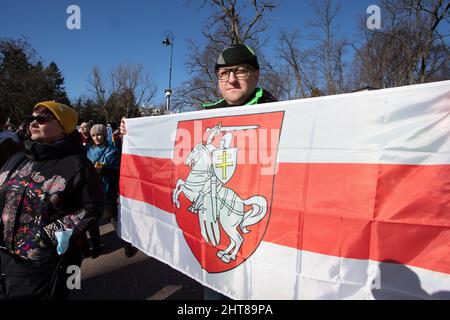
[40, 119]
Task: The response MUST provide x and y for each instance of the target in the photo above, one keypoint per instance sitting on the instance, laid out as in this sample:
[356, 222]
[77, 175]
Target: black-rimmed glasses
[240, 72]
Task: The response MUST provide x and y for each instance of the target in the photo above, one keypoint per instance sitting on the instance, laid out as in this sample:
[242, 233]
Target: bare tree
[135, 86]
[327, 56]
[229, 25]
[409, 49]
[290, 54]
[98, 87]
[307, 70]
[300, 72]
[279, 81]
[125, 90]
[200, 65]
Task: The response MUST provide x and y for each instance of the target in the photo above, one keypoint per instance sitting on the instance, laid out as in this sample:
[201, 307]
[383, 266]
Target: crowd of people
[58, 183]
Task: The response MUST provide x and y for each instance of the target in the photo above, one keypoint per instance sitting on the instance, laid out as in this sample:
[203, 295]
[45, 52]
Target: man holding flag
[336, 197]
[237, 71]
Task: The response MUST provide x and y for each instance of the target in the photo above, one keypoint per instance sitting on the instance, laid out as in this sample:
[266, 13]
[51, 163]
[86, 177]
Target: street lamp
[168, 41]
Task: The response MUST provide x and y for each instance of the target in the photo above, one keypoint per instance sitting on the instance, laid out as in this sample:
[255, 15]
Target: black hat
[237, 54]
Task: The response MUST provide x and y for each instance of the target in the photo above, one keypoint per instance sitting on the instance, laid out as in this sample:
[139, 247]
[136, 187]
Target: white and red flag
[338, 197]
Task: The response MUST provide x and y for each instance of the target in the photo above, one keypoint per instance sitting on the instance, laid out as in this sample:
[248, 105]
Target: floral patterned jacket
[51, 188]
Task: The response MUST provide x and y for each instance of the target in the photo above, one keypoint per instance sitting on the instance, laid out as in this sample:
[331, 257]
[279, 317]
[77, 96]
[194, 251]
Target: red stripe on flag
[147, 179]
[359, 211]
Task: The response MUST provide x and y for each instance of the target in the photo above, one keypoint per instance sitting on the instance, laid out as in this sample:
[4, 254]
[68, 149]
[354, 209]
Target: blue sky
[114, 32]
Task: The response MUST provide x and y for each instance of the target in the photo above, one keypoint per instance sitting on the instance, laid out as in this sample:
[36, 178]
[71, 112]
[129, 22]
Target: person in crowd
[106, 159]
[85, 134]
[49, 193]
[9, 142]
[237, 71]
[9, 127]
[93, 228]
[129, 249]
[23, 133]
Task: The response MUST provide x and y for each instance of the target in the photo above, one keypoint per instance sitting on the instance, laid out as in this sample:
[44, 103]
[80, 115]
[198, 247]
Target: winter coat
[107, 159]
[47, 188]
[260, 96]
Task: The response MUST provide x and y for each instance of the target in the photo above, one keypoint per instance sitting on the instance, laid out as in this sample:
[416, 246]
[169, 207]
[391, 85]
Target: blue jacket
[109, 157]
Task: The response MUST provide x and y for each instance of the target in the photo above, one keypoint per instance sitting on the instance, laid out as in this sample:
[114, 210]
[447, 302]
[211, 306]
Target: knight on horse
[215, 204]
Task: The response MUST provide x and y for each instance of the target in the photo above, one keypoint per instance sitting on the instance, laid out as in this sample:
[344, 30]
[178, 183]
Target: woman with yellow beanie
[48, 195]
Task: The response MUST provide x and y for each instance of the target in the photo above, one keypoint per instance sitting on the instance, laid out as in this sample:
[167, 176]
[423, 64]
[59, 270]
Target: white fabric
[407, 125]
[276, 272]
[384, 126]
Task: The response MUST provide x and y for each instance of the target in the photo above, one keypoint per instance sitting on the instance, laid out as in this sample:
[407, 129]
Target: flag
[337, 197]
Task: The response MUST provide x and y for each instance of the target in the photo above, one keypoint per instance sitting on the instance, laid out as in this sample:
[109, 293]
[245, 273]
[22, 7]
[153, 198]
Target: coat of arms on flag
[223, 182]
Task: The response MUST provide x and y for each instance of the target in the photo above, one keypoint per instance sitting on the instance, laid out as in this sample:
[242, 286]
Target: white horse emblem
[211, 200]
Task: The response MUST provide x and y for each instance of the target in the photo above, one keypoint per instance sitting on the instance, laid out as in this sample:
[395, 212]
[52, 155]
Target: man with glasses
[237, 70]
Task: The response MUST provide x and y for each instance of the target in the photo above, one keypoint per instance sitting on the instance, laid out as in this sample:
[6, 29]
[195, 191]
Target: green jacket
[260, 96]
